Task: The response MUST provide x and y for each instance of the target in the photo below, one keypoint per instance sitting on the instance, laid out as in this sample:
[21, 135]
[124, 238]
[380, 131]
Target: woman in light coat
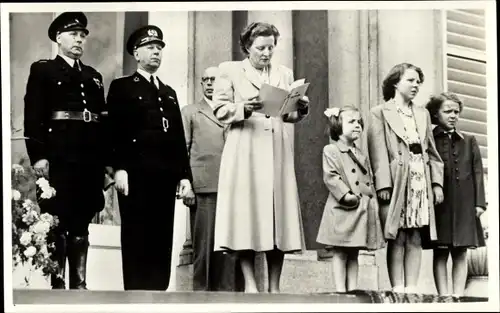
[258, 204]
[408, 173]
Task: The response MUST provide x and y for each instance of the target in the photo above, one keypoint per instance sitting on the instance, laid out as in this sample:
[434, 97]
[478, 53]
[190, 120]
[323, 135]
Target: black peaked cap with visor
[143, 36]
[68, 21]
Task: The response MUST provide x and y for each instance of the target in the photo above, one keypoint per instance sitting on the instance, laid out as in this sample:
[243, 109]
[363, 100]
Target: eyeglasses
[206, 79]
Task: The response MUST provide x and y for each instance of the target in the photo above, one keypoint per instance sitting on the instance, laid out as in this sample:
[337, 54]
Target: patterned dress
[416, 212]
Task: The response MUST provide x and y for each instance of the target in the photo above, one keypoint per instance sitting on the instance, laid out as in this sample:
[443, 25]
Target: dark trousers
[79, 195]
[212, 271]
[147, 216]
[78, 198]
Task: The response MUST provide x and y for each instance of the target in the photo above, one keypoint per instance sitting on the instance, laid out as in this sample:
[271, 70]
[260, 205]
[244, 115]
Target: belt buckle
[164, 122]
[87, 116]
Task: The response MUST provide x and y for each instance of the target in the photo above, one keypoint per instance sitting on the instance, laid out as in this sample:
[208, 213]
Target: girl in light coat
[408, 173]
[350, 219]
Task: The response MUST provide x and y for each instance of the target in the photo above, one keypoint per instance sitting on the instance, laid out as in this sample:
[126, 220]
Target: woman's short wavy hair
[255, 30]
[435, 103]
[394, 76]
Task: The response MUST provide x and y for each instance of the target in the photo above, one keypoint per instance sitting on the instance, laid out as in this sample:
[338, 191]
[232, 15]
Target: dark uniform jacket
[138, 115]
[53, 85]
[74, 148]
[456, 221]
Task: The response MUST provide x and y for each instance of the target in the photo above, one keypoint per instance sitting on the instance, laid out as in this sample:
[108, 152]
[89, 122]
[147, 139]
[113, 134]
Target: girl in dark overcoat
[457, 218]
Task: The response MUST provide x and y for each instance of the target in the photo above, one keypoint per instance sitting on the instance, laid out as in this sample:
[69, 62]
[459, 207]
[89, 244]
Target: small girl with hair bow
[350, 219]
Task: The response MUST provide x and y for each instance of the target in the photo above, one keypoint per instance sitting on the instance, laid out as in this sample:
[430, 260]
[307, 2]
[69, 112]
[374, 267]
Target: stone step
[302, 274]
[304, 301]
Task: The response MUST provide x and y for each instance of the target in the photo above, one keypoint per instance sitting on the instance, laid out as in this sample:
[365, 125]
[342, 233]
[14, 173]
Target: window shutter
[466, 70]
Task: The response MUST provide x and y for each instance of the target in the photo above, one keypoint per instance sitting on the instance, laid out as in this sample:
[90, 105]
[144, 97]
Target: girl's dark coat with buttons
[456, 221]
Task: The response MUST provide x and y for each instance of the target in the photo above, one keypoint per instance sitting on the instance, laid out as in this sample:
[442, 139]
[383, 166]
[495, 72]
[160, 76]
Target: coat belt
[85, 116]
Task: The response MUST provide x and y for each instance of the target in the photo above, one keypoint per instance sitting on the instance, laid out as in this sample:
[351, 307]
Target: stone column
[421, 43]
[310, 45]
[132, 22]
[23, 53]
[176, 71]
[212, 43]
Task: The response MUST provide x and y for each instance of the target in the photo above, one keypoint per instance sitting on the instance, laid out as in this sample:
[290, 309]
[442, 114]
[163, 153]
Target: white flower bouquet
[30, 229]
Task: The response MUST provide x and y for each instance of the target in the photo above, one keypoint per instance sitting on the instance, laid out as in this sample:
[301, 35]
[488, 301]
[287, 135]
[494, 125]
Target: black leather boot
[77, 257]
[57, 280]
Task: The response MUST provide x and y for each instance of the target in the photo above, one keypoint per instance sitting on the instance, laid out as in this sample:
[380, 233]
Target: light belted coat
[389, 155]
[258, 202]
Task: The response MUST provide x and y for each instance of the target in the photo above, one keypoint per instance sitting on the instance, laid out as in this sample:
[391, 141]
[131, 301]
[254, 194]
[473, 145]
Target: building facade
[343, 54]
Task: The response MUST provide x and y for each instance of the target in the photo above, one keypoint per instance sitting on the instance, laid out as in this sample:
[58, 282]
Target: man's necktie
[75, 66]
[152, 81]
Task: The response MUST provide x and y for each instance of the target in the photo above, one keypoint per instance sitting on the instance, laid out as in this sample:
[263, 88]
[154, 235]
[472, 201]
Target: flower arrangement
[30, 229]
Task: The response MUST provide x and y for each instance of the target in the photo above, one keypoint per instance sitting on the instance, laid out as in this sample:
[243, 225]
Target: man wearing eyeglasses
[212, 271]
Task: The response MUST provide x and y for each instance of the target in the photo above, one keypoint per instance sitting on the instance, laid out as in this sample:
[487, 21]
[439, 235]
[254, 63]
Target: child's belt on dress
[415, 148]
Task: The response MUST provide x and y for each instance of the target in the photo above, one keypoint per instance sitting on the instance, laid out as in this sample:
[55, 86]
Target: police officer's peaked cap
[144, 36]
[68, 21]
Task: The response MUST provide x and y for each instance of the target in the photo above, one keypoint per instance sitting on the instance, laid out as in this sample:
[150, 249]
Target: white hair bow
[332, 112]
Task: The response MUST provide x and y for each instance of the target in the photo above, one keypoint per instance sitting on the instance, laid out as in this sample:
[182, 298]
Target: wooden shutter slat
[466, 41]
[484, 154]
[467, 89]
[473, 114]
[466, 65]
[472, 126]
[466, 77]
[465, 29]
[465, 17]
[466, 53]
[472, 11]
[474, 102]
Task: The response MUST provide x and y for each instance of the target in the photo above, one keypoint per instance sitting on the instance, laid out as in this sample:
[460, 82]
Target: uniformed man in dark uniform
[63, 105]
[150, 161]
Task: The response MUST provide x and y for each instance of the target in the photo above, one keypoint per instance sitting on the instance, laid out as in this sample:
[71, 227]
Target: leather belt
[416, 148]
[85, 116]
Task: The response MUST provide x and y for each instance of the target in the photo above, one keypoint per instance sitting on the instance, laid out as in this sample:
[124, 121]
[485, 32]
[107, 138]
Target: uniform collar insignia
[98, 82]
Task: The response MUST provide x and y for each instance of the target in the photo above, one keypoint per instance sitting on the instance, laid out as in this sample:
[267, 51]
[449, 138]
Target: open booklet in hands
[277, 101]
